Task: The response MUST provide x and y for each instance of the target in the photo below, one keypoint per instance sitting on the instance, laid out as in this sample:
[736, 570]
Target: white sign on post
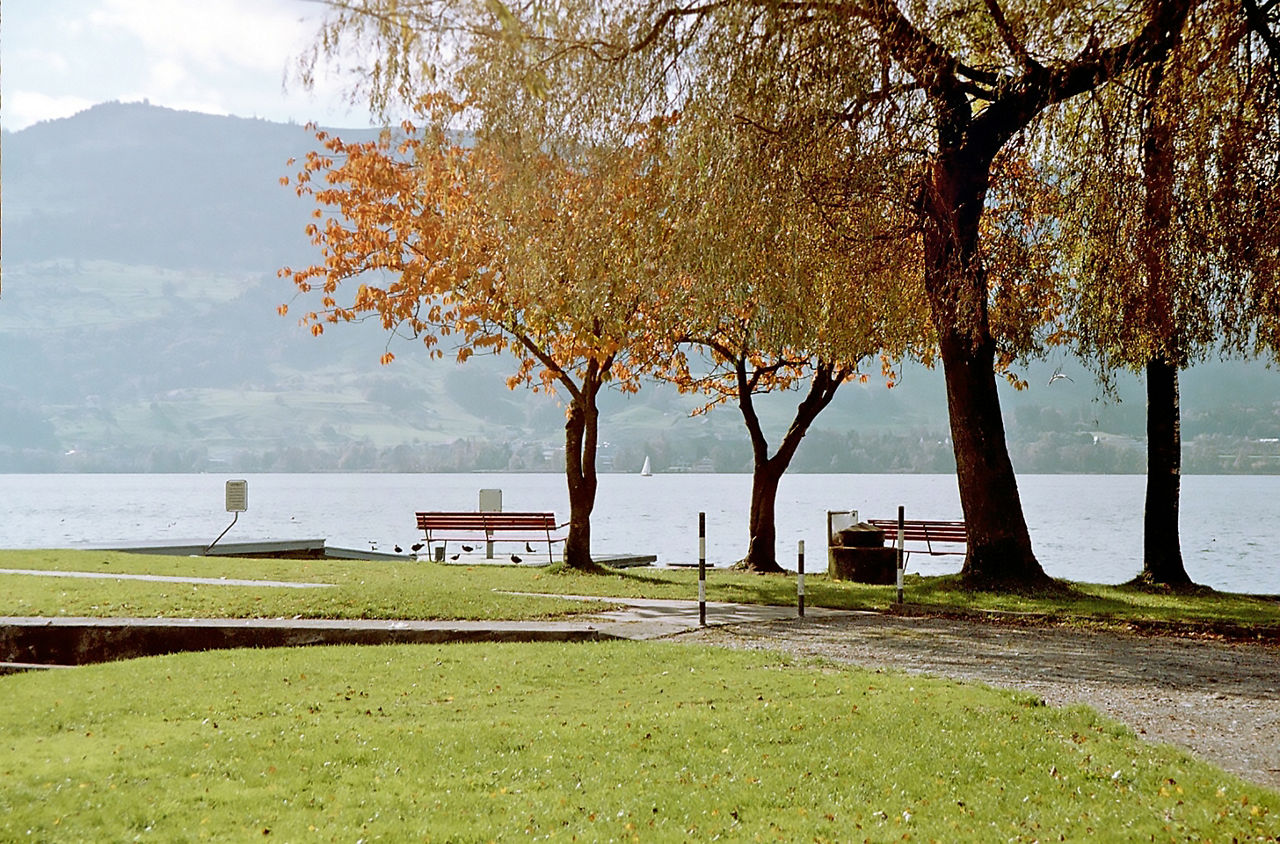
[237, 496]
[237, 503]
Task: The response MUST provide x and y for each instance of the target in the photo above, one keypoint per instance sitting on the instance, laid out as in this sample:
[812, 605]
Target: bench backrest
[923, 530]
[486, 521]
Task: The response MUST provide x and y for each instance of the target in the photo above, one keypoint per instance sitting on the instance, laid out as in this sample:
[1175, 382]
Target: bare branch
[1010, 39]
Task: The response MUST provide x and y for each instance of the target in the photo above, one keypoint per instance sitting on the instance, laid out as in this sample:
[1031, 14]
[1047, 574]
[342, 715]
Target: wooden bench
[459, 526]
[952, 536]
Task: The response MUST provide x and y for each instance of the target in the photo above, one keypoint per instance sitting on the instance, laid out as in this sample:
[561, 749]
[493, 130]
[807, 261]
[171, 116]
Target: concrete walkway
[653, 618]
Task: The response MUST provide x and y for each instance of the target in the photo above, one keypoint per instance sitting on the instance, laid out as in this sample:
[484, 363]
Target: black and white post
[901, 545]
[800, 578]
[702, 569]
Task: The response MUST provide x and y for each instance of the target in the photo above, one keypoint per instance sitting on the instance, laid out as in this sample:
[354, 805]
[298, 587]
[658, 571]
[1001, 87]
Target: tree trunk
[762, 550]
[1161, 548]
[767, 472]
[1000, 554]
[580, 470]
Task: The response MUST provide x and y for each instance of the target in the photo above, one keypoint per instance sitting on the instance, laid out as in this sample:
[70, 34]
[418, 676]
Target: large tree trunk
[580, 429]
[767, 472]
[1161, 548]
[1000, 554]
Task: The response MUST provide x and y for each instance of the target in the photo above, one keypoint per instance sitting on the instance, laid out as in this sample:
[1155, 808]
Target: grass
[612, 741]
[358, 590]
[427, 590]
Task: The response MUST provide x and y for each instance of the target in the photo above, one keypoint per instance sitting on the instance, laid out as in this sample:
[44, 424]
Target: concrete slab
[163, 578]
[81, 641]
[286, 549]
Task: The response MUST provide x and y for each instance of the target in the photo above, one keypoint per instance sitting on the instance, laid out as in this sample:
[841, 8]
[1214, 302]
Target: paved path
[653, 618]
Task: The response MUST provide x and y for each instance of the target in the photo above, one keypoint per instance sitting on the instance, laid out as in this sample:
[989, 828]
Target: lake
[1084, 527]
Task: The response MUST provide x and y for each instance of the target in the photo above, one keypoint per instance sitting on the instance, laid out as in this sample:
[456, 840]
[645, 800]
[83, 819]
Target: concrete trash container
[862, 556]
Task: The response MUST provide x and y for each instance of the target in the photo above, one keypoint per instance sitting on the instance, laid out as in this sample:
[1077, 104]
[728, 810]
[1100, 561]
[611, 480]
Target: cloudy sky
[58, 57]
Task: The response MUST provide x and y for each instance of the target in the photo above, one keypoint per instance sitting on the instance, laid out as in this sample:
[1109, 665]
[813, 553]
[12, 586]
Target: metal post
[800, 579]
[901, 544]
[702, 569]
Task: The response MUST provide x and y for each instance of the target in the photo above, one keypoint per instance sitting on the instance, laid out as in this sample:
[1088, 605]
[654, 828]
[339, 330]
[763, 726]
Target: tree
[778, 290]
[499, 247]
[1142, 212]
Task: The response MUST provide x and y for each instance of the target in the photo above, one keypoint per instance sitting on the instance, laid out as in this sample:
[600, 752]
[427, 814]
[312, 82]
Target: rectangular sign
[237, 496]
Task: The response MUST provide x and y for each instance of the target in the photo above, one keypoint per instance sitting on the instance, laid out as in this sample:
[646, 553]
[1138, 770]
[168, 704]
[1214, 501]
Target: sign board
[490, 501]
[237, 496]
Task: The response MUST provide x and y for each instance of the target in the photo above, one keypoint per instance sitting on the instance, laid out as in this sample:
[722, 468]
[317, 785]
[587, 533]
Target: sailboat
[645, 471]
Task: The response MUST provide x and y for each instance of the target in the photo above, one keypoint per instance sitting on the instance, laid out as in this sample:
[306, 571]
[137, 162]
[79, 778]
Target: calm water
[1084, 527]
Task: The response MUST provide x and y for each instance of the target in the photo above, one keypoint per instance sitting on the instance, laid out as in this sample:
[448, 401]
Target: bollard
[800, 578]
[702, 569]
[901, 544]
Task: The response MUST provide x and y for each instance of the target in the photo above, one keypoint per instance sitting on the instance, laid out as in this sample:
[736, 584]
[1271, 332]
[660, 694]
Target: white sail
[646, 472]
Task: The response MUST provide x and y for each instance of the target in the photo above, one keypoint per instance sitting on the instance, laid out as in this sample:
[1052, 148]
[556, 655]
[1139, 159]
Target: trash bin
[862, 557]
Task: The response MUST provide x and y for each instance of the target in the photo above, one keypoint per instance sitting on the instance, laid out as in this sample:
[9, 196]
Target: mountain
[138, 332]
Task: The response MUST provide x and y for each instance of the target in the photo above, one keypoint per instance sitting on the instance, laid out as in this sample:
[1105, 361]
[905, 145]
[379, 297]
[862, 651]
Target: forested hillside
[138, 332]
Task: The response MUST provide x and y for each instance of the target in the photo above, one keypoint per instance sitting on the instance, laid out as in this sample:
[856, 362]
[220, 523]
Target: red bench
[483, 526]
[953, 537]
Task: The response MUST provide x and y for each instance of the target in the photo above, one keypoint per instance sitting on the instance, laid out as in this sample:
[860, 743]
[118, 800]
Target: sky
[59, 57]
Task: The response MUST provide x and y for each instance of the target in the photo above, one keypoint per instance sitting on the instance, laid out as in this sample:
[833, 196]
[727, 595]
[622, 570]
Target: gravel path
[1220, 701]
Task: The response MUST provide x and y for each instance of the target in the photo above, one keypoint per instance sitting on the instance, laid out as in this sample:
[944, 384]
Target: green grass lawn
[428, 590]
[359, 589]
[607, 741]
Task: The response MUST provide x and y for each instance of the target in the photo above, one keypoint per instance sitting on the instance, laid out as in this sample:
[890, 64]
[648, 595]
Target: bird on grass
[415, 547]
[528, 548]
[399, 550]
[455, 556]
[516, 559]
[468, 548]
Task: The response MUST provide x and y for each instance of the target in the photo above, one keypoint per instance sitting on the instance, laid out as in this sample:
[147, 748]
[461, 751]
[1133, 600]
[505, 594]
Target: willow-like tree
[1155, 229]
[779, 289]
[493, 247]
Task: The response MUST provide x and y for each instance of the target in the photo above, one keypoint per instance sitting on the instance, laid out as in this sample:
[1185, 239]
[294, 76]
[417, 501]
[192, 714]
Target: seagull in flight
[1057, 374]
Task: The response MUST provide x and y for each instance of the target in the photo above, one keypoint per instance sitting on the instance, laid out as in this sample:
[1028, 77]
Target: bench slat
[484, 521]
[927, 532]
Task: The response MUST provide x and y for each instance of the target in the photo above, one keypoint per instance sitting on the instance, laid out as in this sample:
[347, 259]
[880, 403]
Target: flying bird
[1058, 373]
